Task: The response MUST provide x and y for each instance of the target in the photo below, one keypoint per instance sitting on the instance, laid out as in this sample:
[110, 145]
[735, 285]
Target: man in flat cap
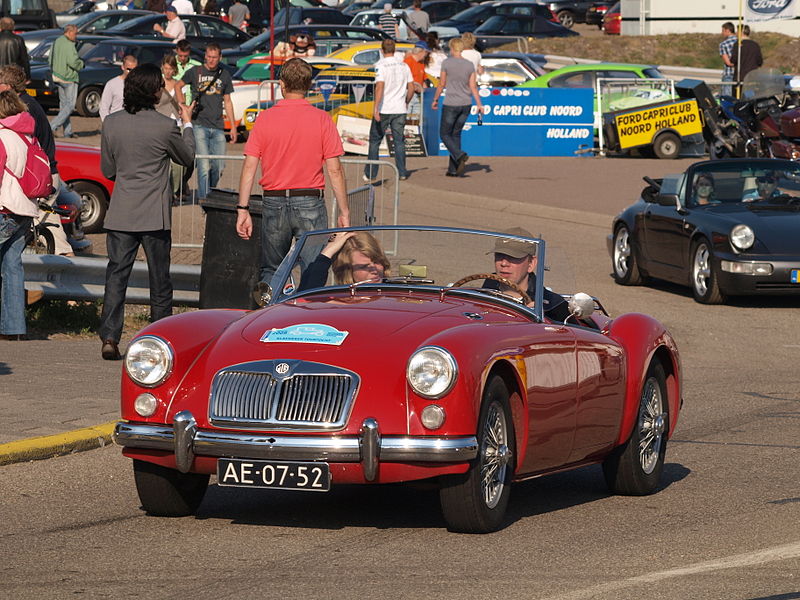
[516, 261]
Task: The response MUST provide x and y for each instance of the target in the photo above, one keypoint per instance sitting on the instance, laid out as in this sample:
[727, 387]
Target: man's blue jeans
[208, 140]
[396, 123]
[726, 90]
[284, 219]
[453, 119]
[67, 97]
[12, 289]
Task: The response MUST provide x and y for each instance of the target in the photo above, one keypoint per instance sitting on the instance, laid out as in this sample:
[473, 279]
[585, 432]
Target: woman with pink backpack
[16, 212]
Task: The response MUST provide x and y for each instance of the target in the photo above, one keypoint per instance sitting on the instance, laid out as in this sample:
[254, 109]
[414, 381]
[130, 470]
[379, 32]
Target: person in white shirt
[175, 29]
[184, 7]
[111, 100]
[470, 53]
[394, 88]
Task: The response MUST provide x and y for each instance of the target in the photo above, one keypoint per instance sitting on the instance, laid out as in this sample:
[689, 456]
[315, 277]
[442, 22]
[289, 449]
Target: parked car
[470, 18]
[596, 12]
[366, 53]
[28, 15]
[305, 16]
[327, 37]
[369, 18]
[509, 69]
[200, 30]
[724, 228]
[79, 168]
[504, 29]
[407, 4]
[102, 57]
[88, 23]
[569, 12]
[612, 20]
[411, 375]
[251, 77]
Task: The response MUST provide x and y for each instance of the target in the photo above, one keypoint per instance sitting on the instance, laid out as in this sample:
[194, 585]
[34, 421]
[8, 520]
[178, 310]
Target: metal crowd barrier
[83, 278]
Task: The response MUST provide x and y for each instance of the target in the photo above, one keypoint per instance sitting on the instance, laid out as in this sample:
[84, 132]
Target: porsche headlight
[250, 117]
[742, 237]
[431, 372]
[148, 360]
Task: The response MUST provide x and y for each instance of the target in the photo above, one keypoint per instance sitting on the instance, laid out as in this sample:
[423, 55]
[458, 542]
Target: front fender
[644, 340]
[188, 332]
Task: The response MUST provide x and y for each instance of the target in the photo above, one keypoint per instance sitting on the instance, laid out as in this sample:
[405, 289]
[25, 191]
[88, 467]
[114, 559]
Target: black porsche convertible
[725, 228]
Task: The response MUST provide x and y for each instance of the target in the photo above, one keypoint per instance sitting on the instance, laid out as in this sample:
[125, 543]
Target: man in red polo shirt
[292, 141]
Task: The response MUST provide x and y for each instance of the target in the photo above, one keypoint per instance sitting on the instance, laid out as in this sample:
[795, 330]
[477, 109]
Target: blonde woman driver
[354, 256]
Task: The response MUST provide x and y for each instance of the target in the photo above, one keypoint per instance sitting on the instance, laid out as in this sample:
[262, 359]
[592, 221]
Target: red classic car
[79, 167]
[413, 372]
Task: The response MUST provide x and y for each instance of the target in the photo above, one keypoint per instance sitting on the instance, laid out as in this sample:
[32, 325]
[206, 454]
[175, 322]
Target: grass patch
[82, 319]
[700, 50]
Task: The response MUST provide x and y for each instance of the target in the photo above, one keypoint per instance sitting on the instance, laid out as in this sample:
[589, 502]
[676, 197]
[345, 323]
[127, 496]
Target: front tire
[634, 469]
[40, 240]
[705, 285]
[626, 270]
[476, 501]
[94, 205]
[166, 492]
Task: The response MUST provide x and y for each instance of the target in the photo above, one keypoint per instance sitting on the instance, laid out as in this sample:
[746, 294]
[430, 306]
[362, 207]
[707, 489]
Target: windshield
[762, 83]
[775, 182]
[472, 13]
[369, 260]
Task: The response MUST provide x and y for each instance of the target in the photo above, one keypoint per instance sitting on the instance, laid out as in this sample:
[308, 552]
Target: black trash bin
[229, 271]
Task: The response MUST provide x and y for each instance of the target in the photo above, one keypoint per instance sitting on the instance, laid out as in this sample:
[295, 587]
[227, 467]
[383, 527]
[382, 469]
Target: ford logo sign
[768, 7]
[282, 368]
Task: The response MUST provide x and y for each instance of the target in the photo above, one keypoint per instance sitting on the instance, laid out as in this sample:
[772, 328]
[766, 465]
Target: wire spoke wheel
[494, 456]
[651, 425]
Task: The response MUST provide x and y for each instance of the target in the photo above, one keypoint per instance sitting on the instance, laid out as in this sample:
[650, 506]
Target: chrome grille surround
[282, 395]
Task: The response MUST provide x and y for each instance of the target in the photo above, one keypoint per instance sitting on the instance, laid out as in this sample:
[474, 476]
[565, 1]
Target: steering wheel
[525, 297]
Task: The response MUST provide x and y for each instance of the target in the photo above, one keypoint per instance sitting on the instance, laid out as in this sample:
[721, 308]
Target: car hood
[775, 227]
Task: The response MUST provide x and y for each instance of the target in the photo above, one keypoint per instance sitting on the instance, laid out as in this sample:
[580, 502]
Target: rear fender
[646, 340]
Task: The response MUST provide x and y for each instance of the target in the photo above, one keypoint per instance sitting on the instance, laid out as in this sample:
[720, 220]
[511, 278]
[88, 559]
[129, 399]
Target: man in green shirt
[183, 52]
[65, 66]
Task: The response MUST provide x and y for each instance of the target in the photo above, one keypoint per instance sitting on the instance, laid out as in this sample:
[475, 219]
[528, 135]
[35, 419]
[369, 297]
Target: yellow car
[367, 53]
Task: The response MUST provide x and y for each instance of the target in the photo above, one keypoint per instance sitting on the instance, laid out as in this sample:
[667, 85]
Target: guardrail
[81, 278]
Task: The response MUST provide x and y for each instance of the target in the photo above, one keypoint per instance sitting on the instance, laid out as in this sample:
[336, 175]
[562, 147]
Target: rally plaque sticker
[306, 333]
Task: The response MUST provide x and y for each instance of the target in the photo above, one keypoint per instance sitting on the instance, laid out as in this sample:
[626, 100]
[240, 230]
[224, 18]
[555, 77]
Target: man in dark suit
[136, 147]
[12, 47]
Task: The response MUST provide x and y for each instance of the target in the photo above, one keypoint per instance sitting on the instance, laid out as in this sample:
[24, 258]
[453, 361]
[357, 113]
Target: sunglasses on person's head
[302, 37]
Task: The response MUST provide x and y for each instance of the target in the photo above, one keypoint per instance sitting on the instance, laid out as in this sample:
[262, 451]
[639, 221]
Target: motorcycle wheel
[40, 241]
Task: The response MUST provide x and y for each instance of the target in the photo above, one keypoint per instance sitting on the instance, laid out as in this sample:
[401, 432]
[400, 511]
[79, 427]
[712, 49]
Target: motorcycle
[764, 123]
[64, 210]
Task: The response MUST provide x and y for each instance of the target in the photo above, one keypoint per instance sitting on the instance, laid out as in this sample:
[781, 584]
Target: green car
[586, 76]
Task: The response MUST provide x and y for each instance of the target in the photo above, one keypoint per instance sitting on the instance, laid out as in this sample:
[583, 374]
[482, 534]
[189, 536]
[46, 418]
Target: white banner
[766, 10]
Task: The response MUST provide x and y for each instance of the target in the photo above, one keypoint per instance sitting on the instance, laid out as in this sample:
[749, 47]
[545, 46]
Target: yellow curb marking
[52, 445]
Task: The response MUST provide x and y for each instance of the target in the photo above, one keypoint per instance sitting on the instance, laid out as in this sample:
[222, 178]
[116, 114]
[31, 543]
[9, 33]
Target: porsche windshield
[496, 264]
[743, 182]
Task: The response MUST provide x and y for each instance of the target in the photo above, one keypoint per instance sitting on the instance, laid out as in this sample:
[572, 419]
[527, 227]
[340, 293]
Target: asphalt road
[725, 525]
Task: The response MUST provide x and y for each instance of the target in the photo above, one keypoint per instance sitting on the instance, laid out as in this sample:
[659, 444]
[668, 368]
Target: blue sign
[326, 87]
[520, 122]
[306, 333]
[768, 8]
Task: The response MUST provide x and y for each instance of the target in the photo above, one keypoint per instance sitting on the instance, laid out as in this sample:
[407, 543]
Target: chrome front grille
[282, 395]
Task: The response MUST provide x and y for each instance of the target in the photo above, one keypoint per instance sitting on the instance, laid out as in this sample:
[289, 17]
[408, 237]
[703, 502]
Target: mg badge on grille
[281, 368]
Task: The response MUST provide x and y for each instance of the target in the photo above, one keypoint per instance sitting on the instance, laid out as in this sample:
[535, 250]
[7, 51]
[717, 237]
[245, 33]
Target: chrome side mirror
[581, 305]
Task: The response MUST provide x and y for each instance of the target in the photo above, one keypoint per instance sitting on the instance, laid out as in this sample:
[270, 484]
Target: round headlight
[145, 405]
[148, 360]
[742, 237]
[431, 372]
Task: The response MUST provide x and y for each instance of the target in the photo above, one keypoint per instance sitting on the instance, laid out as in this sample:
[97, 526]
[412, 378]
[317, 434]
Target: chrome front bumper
[368, 448]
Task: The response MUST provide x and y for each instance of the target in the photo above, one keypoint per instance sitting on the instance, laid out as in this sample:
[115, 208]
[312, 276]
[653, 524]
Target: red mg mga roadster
[400, 354]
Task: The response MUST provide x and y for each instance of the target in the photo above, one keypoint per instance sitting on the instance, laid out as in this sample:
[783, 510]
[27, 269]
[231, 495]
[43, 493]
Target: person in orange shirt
[416, 61]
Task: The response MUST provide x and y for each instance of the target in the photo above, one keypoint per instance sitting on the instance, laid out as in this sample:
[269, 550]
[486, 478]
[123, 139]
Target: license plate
[795, 275]
[285, 475]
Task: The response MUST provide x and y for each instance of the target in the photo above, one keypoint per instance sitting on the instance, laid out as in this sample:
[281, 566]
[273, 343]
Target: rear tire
[634, 469]
[166, 492]
[88, 103]
[566, 18]
[667, 146]
[626, 270]
[476, 501]
[94, 205]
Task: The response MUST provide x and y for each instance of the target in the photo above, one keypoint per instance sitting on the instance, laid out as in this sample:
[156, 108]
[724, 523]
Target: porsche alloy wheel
[88, 103]
[566, 18]
[166, 492]
[626, 271]
[635, 467]
[704, 278]
[476, 501]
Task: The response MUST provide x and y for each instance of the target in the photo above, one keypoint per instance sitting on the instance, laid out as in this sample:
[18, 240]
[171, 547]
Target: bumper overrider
[368, 448]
